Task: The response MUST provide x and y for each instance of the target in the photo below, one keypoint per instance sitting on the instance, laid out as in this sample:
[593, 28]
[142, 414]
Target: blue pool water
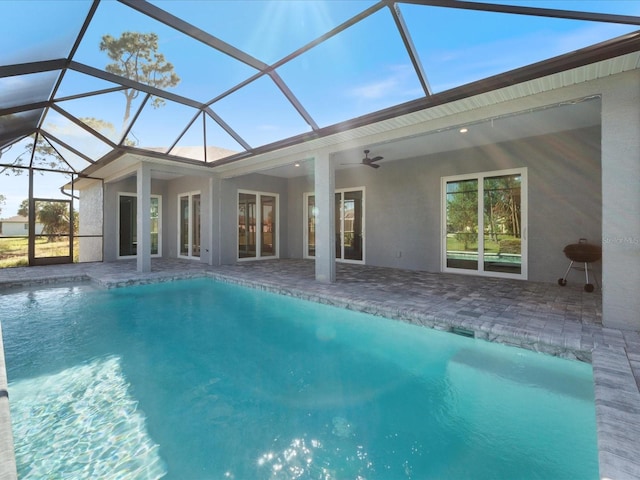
[198, 379]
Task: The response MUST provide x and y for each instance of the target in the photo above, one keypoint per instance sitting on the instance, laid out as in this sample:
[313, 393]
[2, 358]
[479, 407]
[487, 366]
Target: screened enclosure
[209, 83]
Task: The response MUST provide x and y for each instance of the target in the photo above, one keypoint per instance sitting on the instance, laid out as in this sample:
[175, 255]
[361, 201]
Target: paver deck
[562, 321]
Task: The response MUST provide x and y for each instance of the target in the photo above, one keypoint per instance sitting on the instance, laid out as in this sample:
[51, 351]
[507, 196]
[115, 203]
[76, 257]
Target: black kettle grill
[581, 252]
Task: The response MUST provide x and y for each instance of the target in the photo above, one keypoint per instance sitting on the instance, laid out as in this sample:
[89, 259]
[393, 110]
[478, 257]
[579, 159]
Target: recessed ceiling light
[464, 130]
[296, 164]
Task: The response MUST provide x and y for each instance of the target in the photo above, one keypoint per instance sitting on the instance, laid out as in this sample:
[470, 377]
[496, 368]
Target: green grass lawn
[14, 251]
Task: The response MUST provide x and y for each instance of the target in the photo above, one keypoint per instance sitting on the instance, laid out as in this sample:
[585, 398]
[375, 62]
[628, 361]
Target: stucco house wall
[583, 183]
[403, 200]
[218, 200]
[90, 220]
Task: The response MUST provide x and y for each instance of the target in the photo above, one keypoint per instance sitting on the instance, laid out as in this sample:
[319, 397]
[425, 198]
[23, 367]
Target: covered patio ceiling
[259, 77]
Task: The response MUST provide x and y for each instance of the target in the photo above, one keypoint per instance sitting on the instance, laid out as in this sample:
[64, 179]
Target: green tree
[462, 210]
[3, 201]
[502, 206]
[44, 157]
[54, 217]
[101, 126]
[23, 209]
[135, 56]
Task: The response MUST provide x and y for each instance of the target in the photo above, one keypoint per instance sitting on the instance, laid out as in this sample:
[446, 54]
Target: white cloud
[374, 90]
[398, 81]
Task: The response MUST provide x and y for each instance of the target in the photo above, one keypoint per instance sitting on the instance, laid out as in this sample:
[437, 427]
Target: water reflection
[340, 456]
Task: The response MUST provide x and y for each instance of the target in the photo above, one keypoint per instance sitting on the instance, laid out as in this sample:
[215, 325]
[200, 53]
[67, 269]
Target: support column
[621, 202]
[324, 173]
[143, 249]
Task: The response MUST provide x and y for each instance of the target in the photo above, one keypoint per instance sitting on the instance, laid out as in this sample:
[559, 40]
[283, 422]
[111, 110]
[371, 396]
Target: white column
[325, 224]
[621, 202]
[143, 251]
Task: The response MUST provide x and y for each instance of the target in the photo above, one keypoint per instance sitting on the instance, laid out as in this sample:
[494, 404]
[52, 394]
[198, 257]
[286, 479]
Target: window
[484, 223]
[257, 225]
[128, 225]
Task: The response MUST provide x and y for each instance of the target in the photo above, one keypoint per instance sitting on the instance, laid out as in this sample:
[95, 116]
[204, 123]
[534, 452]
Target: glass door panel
[155, 225]
[128, 241]
[184, 225]
[502, 224]
[195, 225]
[246, 225]
[268, 220]
[338, 221]
[189, 225]
[352, 225]
[462, 224]
[311, 225]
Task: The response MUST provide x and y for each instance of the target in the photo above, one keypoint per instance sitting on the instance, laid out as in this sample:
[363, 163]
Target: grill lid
[583, 251]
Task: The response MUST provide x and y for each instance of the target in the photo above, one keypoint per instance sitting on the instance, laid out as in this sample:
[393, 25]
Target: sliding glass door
[257, 225]
[349, 225]
[189, 225]
[484, 223]
[128, 225]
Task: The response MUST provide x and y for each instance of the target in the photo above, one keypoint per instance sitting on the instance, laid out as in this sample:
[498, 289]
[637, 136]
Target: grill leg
[586, 273]
[566, 274]
[588, 287]
[563, 281]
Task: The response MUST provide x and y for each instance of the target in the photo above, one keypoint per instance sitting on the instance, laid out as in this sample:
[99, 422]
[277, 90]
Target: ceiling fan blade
[369, 161]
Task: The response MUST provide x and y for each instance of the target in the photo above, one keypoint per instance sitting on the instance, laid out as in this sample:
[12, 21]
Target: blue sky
[361, 70]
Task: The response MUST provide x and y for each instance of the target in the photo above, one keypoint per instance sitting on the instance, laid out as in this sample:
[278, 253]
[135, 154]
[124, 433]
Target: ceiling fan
[370, 161]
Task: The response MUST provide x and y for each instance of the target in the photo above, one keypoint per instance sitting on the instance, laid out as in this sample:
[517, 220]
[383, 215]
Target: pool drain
[465, 332]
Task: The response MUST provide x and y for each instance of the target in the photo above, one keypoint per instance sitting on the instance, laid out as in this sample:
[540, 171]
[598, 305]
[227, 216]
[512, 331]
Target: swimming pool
[198, 379]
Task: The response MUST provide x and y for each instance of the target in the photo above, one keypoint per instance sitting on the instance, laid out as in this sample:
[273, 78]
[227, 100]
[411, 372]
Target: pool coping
[611, 354]
[8, 468]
